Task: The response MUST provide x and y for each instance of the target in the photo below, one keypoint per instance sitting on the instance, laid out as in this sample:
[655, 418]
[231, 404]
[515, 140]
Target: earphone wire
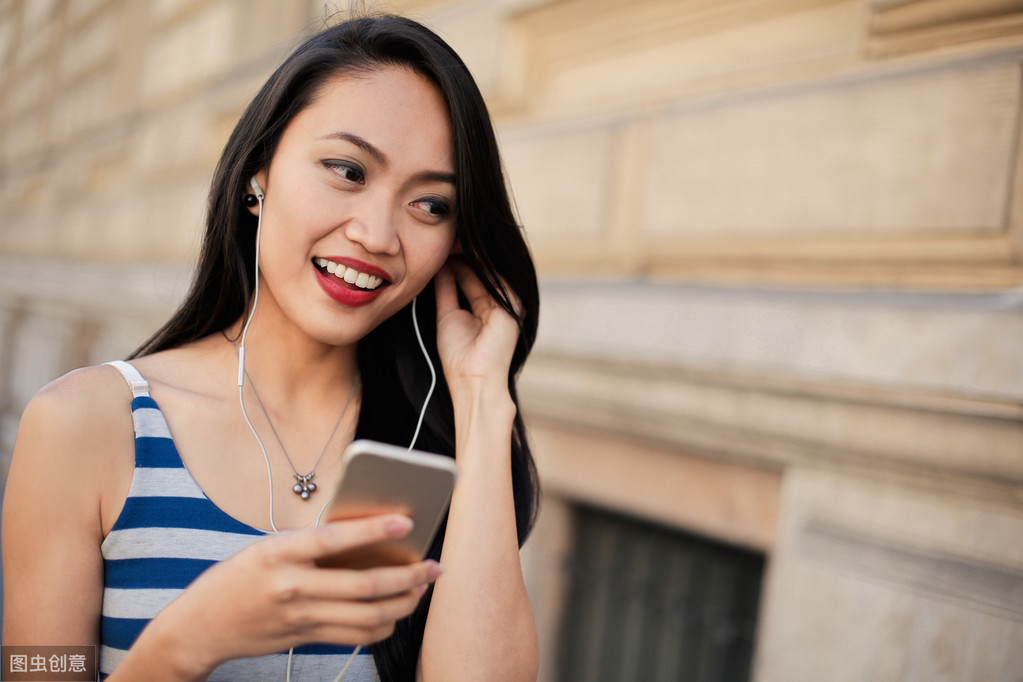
[241, 357]
[433, 375]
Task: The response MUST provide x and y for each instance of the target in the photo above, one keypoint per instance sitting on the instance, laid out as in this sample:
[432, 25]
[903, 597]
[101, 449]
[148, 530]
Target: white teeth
[351, 275]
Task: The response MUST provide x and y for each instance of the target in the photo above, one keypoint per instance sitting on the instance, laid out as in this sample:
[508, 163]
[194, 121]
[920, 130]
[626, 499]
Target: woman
[363, 174]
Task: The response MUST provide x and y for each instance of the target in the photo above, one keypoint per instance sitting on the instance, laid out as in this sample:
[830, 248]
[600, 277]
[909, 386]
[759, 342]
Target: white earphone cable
[241, 360]
[433, 375]
[351, 659]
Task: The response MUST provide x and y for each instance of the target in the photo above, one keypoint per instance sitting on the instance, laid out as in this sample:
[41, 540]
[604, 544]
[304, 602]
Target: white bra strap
[138, 385]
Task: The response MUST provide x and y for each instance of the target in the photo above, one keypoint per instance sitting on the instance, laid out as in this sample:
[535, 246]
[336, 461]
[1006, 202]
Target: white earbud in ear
[256, 188]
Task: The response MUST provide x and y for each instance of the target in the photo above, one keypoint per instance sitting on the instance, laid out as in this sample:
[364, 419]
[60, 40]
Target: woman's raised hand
[476, 345]
[271, 596]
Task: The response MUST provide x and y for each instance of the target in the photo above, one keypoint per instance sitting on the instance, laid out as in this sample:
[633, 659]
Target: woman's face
[358, 208]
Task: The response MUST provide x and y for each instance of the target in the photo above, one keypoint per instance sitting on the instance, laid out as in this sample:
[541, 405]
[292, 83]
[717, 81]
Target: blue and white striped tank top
[166, 535]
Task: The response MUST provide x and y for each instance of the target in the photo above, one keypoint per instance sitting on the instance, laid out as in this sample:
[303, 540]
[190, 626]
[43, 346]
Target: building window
[646, 602]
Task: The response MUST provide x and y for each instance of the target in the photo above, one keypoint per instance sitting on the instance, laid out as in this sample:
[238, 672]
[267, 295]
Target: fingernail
[421, 589]
[435, 570]
[399, 525]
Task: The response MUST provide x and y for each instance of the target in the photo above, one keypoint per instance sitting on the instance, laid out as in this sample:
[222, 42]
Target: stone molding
[937, 345]
[778, 422]
[906, 26]
[781, 378]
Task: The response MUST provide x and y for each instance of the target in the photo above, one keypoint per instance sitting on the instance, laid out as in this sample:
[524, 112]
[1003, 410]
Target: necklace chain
[304, 487]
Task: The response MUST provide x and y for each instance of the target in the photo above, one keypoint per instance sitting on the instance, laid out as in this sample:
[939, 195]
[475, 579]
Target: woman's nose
[373, 226]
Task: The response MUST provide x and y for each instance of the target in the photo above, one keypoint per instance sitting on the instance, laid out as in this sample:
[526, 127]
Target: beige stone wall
[781, 244]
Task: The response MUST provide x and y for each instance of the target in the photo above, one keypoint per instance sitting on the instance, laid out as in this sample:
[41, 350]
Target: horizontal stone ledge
[780, 420]
[739, 268]
[983, 250]
[925, 342]
[898, 27]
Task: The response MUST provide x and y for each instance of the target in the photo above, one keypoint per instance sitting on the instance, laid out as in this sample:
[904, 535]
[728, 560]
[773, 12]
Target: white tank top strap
[138, 385]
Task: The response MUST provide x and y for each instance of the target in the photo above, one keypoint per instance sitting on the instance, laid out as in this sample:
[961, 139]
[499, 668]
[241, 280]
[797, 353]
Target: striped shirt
[166, 535]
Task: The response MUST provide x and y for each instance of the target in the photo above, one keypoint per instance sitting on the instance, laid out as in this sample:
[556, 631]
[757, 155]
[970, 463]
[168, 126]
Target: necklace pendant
[305, 487]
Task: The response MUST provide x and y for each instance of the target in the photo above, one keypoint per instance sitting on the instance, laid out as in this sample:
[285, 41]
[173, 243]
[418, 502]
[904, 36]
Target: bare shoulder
[77, 435]
[87, 401]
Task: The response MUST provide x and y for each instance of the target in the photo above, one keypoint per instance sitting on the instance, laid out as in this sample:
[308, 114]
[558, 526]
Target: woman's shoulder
[87, 393]
[77, 435]
[86, 409]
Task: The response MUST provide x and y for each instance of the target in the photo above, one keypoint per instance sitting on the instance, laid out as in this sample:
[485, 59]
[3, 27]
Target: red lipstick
[348, 294]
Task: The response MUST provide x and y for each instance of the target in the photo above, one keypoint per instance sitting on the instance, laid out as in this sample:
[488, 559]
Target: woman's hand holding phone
[272, 596]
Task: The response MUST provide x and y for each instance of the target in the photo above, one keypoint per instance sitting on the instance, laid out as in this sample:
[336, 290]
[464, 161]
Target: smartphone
[378, 478]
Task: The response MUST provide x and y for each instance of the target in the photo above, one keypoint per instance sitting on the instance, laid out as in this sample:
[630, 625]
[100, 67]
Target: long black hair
[395, 375]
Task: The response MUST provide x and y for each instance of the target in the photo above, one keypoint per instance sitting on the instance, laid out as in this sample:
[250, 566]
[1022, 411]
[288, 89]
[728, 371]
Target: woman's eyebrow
[359, 142]
[436, 176]
[381, 158]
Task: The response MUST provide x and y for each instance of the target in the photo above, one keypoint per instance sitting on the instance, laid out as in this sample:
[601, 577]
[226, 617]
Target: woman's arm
[53, 570]
[480, 624]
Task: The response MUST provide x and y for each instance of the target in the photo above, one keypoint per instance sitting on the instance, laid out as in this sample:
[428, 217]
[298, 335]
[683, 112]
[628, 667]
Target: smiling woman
[359, 235]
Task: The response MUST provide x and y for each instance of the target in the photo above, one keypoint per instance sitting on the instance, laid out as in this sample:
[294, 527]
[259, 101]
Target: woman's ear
[249, 192]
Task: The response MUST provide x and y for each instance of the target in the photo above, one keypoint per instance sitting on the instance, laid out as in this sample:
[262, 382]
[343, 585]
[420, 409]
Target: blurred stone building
[778, 396]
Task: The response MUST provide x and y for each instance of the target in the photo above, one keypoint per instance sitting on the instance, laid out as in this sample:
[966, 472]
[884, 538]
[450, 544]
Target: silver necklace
[304, 487]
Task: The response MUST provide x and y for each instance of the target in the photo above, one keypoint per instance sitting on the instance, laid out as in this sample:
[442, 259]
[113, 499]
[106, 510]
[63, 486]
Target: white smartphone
[378, 478]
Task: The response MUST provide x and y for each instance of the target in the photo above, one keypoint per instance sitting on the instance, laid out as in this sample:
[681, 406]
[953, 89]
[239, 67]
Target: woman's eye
[436, 208]
[347, 171]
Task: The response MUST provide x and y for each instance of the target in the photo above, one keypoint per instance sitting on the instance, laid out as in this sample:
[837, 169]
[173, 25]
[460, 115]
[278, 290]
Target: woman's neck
[295, 370]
